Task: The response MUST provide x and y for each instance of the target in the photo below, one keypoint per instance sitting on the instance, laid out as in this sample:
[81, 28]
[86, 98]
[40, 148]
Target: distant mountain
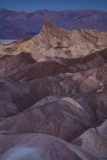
[15, 25]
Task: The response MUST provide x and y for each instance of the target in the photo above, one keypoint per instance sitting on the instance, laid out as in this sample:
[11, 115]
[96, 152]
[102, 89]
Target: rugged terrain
[53, 96]
[14, 25]
[53, 43]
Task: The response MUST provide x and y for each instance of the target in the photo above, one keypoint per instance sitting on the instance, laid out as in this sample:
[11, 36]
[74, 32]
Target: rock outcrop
[94, 140]
[40, 147]
[53, 104]
[54, 42]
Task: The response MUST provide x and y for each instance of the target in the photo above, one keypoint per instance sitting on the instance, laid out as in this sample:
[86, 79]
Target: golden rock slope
[53, 41]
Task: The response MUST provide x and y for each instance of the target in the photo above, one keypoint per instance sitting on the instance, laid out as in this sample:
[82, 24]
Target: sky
[56, 5]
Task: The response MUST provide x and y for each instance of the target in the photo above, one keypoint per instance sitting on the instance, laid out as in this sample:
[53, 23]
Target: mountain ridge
[29, 24]
[53, 41]
[53, 95]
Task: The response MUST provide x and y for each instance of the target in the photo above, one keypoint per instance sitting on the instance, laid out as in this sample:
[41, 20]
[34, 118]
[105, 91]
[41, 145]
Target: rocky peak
[49, 27]
[53, 35]
[62, 98]
[53, 41]
[48, 23]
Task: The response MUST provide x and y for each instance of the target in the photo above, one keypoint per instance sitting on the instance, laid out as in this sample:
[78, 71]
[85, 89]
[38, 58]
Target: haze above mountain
[53, 96]
[15, 25]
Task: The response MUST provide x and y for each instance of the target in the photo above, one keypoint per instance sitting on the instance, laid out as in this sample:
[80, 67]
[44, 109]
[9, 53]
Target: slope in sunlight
[53, 41]
[53, 96]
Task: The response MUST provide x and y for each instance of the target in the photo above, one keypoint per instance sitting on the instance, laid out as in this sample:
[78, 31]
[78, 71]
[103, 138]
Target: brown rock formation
[94, 140]
[53, 41]
[40, 147]
[64, 118]
[52, 104]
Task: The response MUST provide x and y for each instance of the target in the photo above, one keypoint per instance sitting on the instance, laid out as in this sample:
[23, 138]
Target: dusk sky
[56, 5]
